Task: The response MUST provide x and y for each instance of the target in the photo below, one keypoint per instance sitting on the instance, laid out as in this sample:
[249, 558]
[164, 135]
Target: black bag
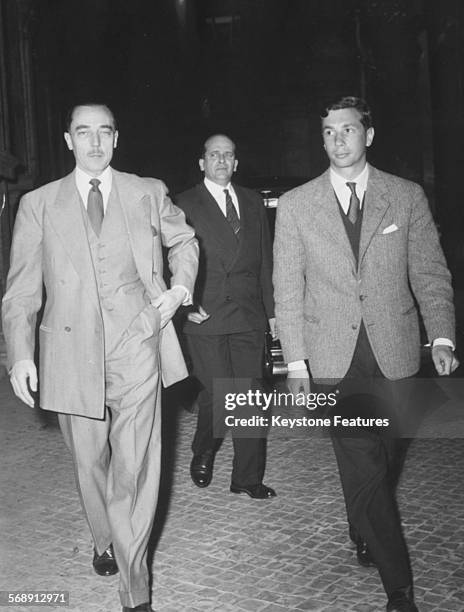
[274, 364]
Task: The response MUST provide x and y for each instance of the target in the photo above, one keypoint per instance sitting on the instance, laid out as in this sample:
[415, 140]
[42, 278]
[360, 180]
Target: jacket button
[67, 329]
[354, 327]
[362, 297]
[228, 298]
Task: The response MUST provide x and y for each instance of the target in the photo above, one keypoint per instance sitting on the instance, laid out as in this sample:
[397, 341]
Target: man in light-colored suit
[94, 239]
[353, 250]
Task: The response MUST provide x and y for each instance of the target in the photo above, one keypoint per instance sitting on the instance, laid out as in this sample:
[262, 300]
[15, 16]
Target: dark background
[175, 71]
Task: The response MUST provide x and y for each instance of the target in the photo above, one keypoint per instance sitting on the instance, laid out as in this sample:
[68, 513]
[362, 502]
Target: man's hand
[198, 317]
[168, 302]
[21, 373]
[444, 360]
[272, 328]
[298, 382]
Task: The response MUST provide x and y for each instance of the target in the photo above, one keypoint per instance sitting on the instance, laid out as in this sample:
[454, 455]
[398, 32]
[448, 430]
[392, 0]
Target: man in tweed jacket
[355, 250]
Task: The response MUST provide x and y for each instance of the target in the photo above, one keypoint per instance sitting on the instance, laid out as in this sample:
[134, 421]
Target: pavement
[216, 551]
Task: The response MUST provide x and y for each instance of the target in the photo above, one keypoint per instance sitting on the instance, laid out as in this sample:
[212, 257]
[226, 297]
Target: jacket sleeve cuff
[443, 341]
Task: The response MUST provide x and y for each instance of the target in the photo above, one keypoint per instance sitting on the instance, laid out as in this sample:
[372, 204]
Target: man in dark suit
[94, 239]
[352, 250]
[234, 305]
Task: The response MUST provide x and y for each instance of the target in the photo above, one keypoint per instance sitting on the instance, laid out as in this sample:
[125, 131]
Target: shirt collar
[217, 191]
[339, 182]
[83, 179]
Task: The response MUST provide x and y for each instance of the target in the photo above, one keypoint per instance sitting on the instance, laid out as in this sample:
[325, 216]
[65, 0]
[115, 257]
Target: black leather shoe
[145, 607]
[257, 491]
[105, 564]
[363, 555]
[201, 468]
[402, 601]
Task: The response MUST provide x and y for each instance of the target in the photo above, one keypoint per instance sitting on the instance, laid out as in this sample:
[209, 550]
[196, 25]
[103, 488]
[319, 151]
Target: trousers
[117, 459]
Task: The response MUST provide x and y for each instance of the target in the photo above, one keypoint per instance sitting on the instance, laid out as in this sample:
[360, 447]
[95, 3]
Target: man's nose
[339, 138]
[95, 139]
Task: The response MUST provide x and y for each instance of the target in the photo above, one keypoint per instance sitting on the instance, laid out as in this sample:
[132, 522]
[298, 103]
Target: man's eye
[82, 133]
[106, 133]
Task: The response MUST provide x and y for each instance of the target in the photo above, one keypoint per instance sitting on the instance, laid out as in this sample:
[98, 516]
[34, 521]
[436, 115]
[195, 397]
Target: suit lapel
[67, 220]
[328, 217]
[246, 221]
[376, 205]
[221, 231]
[136, 208]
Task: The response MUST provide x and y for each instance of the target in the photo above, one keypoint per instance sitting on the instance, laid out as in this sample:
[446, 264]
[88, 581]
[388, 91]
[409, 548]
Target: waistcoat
[121, 292]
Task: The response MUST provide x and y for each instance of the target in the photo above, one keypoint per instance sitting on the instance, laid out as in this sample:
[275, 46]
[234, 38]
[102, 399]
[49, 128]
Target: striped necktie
[231, 214]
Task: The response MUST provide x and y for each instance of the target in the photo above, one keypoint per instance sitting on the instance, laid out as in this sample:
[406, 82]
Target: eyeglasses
[214, 155]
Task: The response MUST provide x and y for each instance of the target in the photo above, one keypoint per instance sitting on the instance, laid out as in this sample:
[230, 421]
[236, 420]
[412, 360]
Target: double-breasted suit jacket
[234, 286]
[234, 283]
[50, 248]
[401, 265]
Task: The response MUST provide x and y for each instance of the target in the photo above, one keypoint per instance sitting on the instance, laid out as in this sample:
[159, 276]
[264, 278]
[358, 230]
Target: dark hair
[70, 113]
[350, 102]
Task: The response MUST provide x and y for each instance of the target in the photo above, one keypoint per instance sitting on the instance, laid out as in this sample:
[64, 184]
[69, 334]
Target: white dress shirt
[217, 191]
[83, 185]
[343, 192]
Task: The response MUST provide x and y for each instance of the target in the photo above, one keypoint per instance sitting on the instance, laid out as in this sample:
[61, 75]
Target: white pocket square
[390, 229]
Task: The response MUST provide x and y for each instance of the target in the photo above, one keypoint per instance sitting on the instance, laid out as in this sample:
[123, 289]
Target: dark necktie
[231, 214]
[353, 210]
[95, 206]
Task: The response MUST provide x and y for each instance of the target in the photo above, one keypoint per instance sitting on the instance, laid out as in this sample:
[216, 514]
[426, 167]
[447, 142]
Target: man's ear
[68, 140]
[116, 136]
[370, 132]
[235, 165]
[201, 163]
